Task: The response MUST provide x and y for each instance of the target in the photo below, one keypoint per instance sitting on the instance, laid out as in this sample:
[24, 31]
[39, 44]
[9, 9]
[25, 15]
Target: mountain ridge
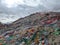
[34, 19]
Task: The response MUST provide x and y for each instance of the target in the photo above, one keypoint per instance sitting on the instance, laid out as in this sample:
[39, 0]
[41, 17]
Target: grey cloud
[24, 10]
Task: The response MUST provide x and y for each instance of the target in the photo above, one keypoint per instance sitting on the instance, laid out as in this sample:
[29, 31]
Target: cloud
[32, 2]
[12, 14]
[22, 8]
[7, 18]
[51, 4]
[13, 3]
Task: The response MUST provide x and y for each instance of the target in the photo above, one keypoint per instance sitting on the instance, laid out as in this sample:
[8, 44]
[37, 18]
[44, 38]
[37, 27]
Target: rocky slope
[38, 27]
[36, 19]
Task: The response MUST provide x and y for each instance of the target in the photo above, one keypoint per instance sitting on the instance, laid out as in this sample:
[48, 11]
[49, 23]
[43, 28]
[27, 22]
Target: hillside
[36, 19]
[36, 28]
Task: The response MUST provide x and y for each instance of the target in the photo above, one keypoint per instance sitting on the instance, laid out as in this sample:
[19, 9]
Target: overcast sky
[11, 10]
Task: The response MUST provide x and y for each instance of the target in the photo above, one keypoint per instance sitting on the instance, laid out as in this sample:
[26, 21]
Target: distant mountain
[36, 19]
